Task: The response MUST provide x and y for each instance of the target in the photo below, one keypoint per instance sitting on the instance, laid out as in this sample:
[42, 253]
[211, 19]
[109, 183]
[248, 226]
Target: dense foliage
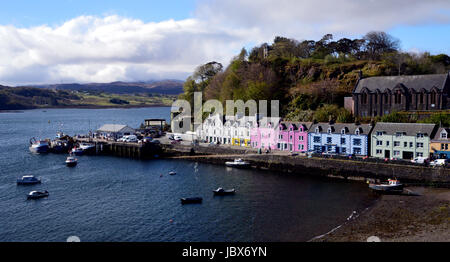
[309, 76]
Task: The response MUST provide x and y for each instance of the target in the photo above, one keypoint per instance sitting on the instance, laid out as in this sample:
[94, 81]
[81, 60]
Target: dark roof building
[377, 96]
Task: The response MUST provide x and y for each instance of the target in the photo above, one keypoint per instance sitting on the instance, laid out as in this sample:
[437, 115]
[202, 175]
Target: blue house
[339, 138]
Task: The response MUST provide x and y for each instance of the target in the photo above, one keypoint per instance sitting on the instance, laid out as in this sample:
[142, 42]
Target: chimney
[360, 74]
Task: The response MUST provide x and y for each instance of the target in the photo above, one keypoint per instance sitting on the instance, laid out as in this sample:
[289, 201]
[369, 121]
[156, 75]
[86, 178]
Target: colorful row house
[401, 140]
[440, 143]
[265, 134]
[339, 138]
[293, 137]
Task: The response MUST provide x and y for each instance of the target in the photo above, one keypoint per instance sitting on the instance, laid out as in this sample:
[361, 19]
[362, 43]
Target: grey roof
[337, 128]
[113, 128]
[437, 135]
[416, 82]
[410, 129]
[296, 124]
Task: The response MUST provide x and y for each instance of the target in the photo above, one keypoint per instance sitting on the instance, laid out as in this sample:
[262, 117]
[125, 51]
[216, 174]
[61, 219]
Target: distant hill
[164, 87]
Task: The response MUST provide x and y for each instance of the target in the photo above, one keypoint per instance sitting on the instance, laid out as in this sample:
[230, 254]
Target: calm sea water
[117, 199]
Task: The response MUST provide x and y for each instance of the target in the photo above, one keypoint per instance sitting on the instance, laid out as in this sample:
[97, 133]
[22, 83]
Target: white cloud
[113, 48]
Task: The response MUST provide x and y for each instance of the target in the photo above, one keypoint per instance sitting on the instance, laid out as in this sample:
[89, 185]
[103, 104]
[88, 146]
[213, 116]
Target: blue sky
[25, 13]
[64, 41]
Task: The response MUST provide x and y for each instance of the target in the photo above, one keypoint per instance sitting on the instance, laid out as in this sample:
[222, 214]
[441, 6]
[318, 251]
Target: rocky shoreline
[400, 218]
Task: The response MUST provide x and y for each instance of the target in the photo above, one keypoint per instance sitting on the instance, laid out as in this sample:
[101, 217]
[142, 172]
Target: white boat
[86, 146]
[172, 173]
[39, 146]
[28, 180]
[37, 194]
[393, 186]
[237, 163]
[71, 161]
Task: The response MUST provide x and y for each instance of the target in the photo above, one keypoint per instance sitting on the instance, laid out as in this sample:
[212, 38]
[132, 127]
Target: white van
[419, 160]
[131, 138]
[439, 162]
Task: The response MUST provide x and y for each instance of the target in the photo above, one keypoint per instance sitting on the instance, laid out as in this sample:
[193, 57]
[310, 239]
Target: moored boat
[87, 146]
[37, 194]
[77, 151]
[71, 161]
[28, 180]
[393, 186]
[239, 163]
[221, 192]
[172, 173]
[191, 200]
[38, 146]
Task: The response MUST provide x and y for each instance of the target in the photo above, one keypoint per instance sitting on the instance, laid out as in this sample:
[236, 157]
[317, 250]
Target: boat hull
[71, 164]
[224, 193]
[387, 188]
[37, 196]
[27, 183]
[232, 164]
[39, 150]
[191, 200]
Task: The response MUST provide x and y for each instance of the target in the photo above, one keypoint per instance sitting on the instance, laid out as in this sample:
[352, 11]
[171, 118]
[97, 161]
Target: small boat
[87, 146]
[172, 173]
[71, 161]
[28, 180]
[393, 186]
[221, 192]
[37, 194]
[38, 146]
[191, 200]
[77, 151]
[237, 163]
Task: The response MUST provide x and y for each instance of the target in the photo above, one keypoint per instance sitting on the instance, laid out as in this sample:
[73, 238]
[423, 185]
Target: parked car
[419, 160]
[178, 138]
[171, 137]
[439, 162]
[155, 142]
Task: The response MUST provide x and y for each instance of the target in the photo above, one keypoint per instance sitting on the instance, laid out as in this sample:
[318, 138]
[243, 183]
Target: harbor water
[117, 199]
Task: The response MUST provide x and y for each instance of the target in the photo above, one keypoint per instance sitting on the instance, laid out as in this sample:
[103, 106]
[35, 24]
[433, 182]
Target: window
[343, 131]
[419, 145]
[357, 151]
[398, 134]
[317, 148]
[357, 142]
[317, 130]
[280, 137]
[411, 144]
[396, 153]
[279, 146]
[398, 97]
[300, 138]
[329, 130]
[419, 154]
[379, 133]
[387, 143]
[443, 135]
[357, 132]
[329, 140]
[342, 140]
[396, 143]
[420, 135]
[316, 139]
[386, 98]
[379, 143]
[405, 144]
[290, 138]
[379, 151]
[301, 147]
[344, 150]
[421, 98]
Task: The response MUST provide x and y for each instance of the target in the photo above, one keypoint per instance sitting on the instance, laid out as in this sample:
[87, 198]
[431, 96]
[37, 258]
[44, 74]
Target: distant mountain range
[165, 87]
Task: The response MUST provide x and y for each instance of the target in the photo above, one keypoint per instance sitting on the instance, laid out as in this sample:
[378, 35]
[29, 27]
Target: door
[408, 155]
[387, 153]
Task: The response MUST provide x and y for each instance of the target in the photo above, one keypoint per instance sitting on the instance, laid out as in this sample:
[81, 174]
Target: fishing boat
[76, 151]
[38, 146]
[37, 194]
[87, 146]
[393, 186]
[191, 200]
[28, 180]
[239, 163]
[222, 192]
[71, 161]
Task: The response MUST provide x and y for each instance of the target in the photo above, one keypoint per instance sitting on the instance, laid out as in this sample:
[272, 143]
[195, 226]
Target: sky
[67, 41]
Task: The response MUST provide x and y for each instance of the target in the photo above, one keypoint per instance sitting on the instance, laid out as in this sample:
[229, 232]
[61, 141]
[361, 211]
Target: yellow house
[440, 144]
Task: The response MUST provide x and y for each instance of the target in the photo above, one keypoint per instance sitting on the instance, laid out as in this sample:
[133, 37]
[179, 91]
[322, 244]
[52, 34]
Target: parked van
[419, 160]
[439, 162]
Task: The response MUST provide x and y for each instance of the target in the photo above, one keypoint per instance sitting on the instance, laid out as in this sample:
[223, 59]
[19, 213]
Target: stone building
[378, 96]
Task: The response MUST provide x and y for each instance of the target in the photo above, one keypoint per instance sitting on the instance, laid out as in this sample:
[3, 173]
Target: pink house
[293, 136]
[265, 135]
